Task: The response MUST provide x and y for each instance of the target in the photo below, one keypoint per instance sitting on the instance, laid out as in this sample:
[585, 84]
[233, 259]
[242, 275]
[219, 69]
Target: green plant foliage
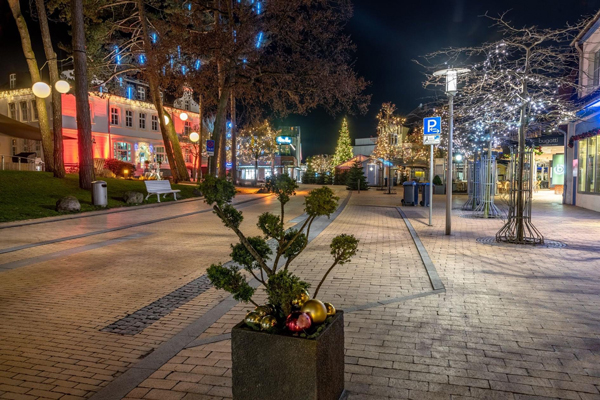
[297, 245]
[282, 288]
[217, 190]
[343, 248]
[356, 175]
[284, 187]
[231, 280]
[233, 217]
[309, 177]
[437, 180]
[270, 224]
[320, 202]
[242, 256]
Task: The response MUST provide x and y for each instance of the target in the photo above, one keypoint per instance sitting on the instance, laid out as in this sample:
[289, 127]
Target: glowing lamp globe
[41, 90]
[183, 116]
[194, 137]
[458, 157]
[166, 119]
[62, 86]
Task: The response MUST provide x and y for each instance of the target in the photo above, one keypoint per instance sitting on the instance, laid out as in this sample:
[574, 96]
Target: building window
[142, 121]
[129, 119]
[155, 122]
[13, 81]
[160, 154]
[12, 110]
[123, 151]
[187, 128]
[589, 166]
[13, 144]
[24, 108]
[34, 111]
[114, 116]
[38, 148]
[141, 93]
[596, 68]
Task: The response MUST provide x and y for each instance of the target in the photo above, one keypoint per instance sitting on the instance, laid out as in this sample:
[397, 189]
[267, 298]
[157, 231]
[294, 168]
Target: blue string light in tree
[197, 64]
[259, 39]
[154, 37]
[183, 69]
[118, 56]
[142, 59]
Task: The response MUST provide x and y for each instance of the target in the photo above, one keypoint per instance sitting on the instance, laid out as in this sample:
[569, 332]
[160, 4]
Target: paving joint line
[69, 252]
[135, 375]
[100, 232]
[434, 278]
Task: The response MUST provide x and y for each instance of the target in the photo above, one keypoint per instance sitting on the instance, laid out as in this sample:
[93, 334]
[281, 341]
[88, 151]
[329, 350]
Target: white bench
[160, 187]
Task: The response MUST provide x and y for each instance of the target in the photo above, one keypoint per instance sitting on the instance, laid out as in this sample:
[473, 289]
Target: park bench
[160, 187]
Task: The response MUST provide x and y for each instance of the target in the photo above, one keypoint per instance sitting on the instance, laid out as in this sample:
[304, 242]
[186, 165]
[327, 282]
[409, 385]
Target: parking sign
[210, 147]
[432, 129]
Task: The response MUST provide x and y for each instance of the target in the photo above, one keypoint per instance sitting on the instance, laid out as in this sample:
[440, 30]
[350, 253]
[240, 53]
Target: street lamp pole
[451, 76]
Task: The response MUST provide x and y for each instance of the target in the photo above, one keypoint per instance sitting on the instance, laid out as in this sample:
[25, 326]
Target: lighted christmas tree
[343, 151]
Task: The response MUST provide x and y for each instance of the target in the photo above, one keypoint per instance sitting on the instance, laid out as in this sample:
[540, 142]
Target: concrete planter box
[439, 189]
[278, 367]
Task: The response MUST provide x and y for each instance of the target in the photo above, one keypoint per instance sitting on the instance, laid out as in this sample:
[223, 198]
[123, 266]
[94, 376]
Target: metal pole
[449, 173]
[430, 183]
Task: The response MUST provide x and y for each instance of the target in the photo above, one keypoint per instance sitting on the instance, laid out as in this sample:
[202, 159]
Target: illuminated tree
[343, 151]
[257, 143]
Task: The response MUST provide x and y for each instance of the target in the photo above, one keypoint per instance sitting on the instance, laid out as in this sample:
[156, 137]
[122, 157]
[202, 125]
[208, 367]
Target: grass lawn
[25, 194]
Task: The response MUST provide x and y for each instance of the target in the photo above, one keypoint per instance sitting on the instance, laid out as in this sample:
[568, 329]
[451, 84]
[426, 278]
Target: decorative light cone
[41, 90]
[62, 86]
[194, 137]
[183, 116]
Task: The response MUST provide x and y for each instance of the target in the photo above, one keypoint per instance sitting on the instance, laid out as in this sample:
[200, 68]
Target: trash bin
[426, 200]
[99, 193]
[409, 194]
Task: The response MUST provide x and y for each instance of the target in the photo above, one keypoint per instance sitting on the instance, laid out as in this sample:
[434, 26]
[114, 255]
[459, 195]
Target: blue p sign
[210, 147]
[432, 126]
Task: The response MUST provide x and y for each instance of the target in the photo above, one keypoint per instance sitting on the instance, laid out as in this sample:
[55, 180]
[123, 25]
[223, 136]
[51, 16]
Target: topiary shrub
[437, 180]
[119, 167]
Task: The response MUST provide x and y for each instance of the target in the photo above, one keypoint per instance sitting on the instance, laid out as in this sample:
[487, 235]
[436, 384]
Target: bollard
[358, 186]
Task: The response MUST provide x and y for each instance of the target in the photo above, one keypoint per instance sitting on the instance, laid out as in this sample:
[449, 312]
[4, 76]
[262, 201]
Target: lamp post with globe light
[195, 138]
[451, 75]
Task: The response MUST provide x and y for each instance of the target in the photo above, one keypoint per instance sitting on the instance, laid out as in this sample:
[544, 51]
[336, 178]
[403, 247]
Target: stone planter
[278, 367]
[439, 189]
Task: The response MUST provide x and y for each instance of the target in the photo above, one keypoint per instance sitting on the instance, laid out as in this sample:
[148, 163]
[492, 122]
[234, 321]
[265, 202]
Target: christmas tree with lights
[343, 151]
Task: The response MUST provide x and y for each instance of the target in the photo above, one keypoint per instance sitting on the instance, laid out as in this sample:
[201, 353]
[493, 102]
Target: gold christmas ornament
[253, 320]
[316, 309]
[330, 309]
[263, 310]
[268, 322]
[301, 299]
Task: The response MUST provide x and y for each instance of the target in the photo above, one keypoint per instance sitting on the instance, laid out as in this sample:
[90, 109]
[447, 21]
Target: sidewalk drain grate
[139, 320]
[548, 244]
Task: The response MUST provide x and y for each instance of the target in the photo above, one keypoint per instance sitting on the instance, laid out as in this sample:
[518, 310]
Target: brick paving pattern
[518, 324]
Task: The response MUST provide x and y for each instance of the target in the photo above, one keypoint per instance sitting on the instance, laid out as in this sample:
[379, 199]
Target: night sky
[389, 34]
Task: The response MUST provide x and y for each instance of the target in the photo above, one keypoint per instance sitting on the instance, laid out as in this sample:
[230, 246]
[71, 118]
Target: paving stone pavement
[518, 325]
[511, 325]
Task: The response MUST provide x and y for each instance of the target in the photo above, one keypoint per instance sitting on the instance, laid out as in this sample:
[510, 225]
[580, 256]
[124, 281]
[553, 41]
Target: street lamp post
[194, 138]
[451, 75]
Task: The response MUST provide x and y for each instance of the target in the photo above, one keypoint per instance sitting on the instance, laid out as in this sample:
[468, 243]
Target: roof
[14, 128]
[348, 164]
[591, 26]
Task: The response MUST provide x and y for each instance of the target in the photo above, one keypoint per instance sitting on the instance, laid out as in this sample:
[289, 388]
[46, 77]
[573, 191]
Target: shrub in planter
[292, 322]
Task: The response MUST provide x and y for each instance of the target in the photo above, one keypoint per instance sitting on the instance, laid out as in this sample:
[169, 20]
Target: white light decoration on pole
[194, 137]
[62, 86]
[451, 75]
[166, 119]
[183, 116]
[41, 90]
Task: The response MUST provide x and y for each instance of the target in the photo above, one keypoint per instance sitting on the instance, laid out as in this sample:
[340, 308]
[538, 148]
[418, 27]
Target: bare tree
[520, 83]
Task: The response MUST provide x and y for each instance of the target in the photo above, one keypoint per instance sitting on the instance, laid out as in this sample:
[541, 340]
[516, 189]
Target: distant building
[125, 123]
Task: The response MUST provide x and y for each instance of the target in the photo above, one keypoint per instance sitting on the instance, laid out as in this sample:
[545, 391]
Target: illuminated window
[187, 128]
[24, 109]
[12, 110]
[114, 116]
[160, 154]
[122, 151]
[14, 146]
[155, 122]
[13, 80]
[129, 119]
[141, 93]
[142, 121]
[589, 165]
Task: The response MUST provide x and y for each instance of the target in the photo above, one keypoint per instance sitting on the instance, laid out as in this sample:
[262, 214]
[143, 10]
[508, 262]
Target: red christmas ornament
[298, 321]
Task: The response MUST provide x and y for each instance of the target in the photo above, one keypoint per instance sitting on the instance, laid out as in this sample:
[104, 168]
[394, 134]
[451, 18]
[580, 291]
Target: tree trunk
[201, 142]
[84, 123]
[182, 171]
[520, 211]
[151, 74]
[34, 71]
[219, 133]
[233, 141]
[59, 162]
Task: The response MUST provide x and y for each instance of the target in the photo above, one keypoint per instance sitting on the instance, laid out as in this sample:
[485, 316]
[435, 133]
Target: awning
[14, 128]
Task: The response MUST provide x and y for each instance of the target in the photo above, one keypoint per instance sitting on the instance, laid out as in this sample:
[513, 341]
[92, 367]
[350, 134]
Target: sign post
[210, 152]
[432, 128]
